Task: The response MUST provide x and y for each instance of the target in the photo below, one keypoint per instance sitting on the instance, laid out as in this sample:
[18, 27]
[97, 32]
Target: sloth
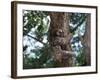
[58, 33]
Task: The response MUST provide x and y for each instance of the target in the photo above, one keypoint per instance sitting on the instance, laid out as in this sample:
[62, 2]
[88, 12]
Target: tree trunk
[59, 37]
[87, 41]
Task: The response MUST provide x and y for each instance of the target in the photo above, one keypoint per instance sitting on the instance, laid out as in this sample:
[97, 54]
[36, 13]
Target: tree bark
[59, 37]
[87, 41]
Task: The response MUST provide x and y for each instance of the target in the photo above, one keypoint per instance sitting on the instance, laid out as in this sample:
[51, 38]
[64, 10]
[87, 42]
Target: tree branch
[69, 53]
[36, 39]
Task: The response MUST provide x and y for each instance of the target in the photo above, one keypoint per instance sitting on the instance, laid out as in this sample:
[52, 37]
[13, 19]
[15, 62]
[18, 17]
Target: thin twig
[36, 39]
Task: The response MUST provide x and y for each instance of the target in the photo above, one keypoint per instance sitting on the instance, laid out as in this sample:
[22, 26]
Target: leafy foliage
[34, 19]
[37, 54]
[77, 28]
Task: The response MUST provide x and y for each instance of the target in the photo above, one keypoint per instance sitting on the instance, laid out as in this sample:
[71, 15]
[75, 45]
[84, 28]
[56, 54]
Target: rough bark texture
[87, 41]
[59, 37]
